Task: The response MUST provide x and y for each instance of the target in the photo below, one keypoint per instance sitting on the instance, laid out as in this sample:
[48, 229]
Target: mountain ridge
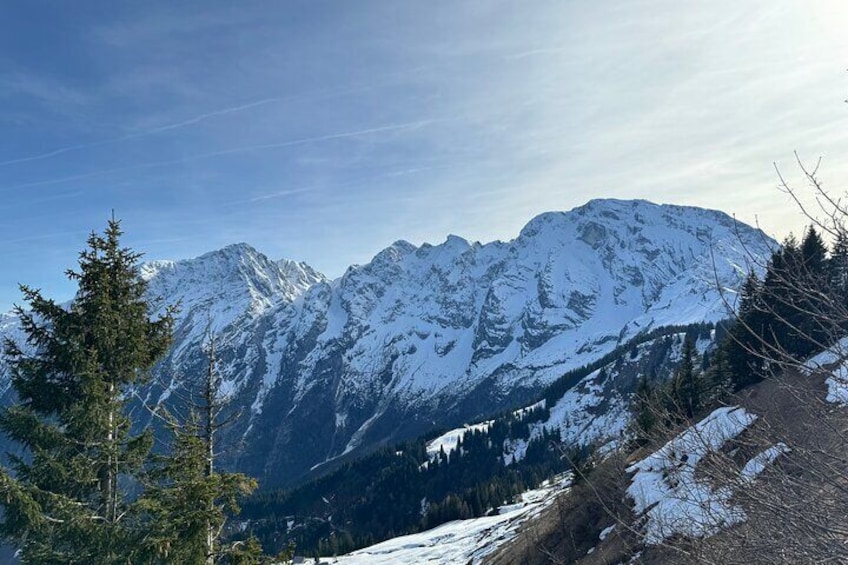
[434, 334]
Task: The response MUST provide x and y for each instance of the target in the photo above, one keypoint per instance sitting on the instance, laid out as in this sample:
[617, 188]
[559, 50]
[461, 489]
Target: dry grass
[797, 510]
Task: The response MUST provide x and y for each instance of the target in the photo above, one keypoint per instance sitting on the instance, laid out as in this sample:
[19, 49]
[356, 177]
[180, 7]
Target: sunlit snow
[460, 541]
[666, 490]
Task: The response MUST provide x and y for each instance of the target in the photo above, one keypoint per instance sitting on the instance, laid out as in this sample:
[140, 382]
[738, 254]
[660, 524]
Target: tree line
[401, 489]
[794, 309]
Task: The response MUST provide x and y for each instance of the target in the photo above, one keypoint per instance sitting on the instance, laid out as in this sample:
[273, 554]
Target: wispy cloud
[269, 196]
[465, 117]
[152, 131]
[409, 126]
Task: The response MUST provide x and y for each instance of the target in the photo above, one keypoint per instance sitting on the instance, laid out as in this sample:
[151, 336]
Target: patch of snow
[605, 532]
[450, 440]
[837, 381]
[460, 541]
[521, 412]
[837, 385]
[829, 356]
[758, 463]
[664, 487]
[341, 419]
[514, 450]
[636, 557]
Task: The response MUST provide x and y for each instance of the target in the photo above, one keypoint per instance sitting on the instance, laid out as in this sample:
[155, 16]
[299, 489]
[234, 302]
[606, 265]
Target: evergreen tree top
[64, 502]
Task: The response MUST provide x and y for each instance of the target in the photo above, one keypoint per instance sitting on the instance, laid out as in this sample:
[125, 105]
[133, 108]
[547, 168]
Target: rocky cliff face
[433, 335]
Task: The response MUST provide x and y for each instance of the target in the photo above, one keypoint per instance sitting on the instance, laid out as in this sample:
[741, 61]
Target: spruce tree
[645, 411]
[816, 326]
[814, 253]
[718, 379]
[188, 499]
[685, 397]
[742, 347]
[63, 500]
[838, 264]
[185, 503]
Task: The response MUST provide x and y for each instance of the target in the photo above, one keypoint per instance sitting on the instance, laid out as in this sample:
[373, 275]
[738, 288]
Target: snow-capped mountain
[437, 334]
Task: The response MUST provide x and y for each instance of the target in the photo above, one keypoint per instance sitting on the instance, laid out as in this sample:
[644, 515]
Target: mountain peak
[611, 214]
[394, 253]
[230, 252]
[300, 274]
[240, 247]
[456, 241]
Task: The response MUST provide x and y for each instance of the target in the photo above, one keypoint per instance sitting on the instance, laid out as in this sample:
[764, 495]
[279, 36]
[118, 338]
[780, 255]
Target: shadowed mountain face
[432, 335]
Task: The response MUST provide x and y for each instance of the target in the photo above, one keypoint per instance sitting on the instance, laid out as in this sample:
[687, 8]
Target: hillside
[759, 481]
[470, 471]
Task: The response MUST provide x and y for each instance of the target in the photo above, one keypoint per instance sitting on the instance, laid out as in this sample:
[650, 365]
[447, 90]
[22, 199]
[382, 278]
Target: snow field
[666, 491]
[670, 496]
[460, 541]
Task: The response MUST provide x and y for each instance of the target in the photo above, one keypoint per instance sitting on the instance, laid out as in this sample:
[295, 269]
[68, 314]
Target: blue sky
[323, 131]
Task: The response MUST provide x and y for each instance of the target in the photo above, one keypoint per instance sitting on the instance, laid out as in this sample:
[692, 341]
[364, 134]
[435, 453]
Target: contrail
[337, 186]
[223, 152]
[533, 53]
[201, 118]
[269, 196]
[153, 131]
[206, 116]
[306, 140]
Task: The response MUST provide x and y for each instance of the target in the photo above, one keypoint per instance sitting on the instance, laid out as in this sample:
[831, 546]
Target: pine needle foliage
[188, 499]
[63, 500]
[185, 501]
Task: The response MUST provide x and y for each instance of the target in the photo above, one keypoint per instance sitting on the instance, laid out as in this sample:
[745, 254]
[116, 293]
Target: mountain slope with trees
[473, 470]
[429, 336]
[783, 477]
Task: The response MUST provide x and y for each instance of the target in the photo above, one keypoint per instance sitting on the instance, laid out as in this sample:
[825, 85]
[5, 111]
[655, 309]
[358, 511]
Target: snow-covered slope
[595, 411]
[666, 490]
[570, 287]
[436, 335]
[460, 541]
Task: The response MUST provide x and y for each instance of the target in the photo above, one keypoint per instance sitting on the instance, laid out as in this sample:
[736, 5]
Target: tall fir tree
[63, 501]
[685, 395]
[779, 311]
[838, 264]
[816, 325]
[742, 347]
[646, 411]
